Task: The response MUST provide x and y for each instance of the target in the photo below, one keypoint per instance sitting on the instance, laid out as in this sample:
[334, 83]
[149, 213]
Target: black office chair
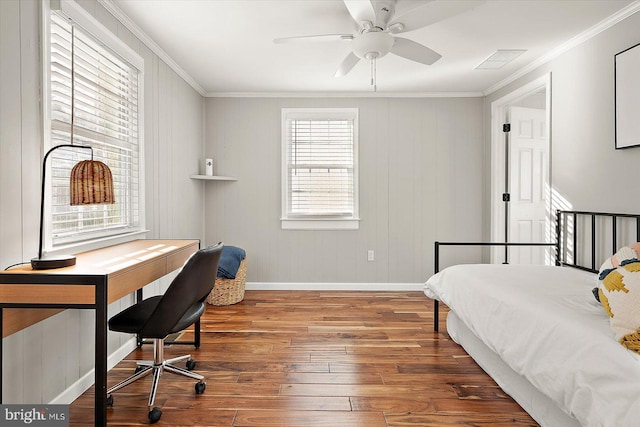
[159, 316]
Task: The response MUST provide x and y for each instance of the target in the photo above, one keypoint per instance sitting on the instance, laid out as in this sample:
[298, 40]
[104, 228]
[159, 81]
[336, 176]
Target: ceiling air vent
[500, 58]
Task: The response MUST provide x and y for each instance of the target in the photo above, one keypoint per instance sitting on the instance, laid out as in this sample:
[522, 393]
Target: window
[320, 168]
[106, 108]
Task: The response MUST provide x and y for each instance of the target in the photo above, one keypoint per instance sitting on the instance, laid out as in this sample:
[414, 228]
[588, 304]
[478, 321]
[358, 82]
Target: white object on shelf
[208, 167]
[214, 178]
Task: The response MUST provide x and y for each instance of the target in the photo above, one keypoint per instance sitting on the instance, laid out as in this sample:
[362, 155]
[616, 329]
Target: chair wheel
[110, 400]
[155, 414]
[200, 387]
[191, 364]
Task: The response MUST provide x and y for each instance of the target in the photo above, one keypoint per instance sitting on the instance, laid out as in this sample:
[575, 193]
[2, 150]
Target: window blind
[105, 92]
[320, 167]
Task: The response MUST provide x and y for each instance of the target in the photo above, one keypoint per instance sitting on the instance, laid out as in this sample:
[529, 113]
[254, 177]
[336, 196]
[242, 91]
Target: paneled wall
[587, 171]
[43, 360]
[421, 179]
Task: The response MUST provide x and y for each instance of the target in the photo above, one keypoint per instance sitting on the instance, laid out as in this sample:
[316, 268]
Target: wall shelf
[213, 178]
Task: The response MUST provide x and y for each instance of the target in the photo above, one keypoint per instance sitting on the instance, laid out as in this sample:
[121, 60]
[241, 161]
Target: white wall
[421, 178]
[43, 360]
[586, 169]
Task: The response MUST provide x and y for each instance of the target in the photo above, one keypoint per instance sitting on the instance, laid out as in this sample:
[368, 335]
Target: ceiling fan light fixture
[375, 42]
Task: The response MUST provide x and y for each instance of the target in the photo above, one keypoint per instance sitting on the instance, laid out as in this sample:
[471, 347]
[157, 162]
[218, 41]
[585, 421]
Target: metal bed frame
[564, 244]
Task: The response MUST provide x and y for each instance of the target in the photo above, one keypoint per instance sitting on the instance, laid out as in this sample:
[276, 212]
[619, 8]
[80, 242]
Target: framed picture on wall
[627, 97]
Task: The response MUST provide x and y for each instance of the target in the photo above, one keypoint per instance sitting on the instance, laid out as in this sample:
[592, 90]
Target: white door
[528, 184]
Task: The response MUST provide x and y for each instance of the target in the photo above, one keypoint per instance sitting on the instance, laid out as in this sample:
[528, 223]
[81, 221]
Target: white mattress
[544, 323]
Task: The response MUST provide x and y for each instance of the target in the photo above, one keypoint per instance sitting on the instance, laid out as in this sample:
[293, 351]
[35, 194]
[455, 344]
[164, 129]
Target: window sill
[320, 224]
[98, 243]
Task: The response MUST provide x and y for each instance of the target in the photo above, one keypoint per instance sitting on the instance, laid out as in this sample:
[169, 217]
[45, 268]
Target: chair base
[157, 367]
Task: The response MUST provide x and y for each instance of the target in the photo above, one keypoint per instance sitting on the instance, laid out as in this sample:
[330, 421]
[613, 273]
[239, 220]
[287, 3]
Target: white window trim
[79, 16]
[320, 222]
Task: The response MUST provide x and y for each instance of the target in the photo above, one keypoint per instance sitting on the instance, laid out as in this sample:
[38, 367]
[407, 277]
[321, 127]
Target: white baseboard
[292, 286]
[76, 389]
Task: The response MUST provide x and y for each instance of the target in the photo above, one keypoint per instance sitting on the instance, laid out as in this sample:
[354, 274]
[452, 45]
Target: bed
[539, 332]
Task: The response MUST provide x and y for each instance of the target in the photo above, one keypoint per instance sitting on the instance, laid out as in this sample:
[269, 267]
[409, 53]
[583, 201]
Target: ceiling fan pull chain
[374, 77]
[371, 70]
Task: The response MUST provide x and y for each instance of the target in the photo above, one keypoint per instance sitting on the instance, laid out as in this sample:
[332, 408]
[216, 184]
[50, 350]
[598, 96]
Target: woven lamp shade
[91, 183]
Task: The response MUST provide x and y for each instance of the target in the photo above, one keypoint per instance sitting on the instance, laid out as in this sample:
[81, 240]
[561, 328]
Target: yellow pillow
[619, 292]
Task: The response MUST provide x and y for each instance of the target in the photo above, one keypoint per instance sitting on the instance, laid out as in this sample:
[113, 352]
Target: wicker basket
[229, 291]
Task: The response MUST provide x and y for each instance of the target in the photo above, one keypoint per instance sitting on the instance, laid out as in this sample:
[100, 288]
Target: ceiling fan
[377, 29]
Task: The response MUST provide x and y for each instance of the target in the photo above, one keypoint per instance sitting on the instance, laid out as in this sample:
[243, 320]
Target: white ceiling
[226, 46]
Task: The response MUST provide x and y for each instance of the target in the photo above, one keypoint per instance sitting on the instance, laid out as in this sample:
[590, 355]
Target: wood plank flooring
[314, 358]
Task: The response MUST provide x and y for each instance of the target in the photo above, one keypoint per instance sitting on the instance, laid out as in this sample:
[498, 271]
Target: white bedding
[544, 323]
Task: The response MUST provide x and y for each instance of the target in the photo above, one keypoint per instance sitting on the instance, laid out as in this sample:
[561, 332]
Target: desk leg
[1, 355]
[436, 315]
[101, 353]
[139, 340]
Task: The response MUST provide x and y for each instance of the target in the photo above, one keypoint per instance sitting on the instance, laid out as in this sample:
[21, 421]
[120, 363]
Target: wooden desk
[99, 278]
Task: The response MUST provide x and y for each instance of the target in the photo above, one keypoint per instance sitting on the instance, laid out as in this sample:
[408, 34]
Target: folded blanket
[230, 261]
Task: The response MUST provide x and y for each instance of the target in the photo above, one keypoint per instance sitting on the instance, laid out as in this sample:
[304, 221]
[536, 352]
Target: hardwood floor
[314, 358]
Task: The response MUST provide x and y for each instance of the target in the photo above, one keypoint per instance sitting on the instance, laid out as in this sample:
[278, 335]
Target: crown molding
[344, 95]
[148, 41]
[570, 44]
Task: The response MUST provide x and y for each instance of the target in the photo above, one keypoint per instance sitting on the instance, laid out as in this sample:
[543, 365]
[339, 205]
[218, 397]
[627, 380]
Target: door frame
[499, 109]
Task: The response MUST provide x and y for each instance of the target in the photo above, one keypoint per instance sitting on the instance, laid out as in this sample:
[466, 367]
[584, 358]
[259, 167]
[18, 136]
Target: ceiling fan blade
[320, 38]
[347, 64]
[431, 13]
[361, 10]
[414, 51]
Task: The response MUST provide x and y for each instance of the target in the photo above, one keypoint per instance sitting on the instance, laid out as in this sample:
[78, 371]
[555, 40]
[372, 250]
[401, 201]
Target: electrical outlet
[370, 255]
